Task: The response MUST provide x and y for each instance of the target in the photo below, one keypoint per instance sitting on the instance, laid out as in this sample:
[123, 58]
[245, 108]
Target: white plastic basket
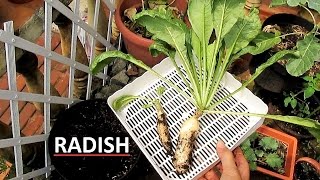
[141, 123]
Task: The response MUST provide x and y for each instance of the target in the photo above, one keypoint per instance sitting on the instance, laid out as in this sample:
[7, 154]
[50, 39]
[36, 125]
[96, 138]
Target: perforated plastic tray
[141, 123]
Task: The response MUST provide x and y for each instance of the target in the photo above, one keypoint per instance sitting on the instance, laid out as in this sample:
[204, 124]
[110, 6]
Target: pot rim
[311, 161]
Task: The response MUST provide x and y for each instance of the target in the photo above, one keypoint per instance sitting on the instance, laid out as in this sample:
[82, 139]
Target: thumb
[230, 170]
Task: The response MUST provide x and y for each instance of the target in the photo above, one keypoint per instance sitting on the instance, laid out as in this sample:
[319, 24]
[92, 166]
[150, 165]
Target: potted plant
[219, 34]
[271, 152]
[307, 167]
[292, 84]
[4, 168]
[135, 42]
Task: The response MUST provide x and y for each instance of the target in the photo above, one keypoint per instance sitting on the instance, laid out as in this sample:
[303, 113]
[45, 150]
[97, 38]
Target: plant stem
[142, 2]
[313, 112]
[313, 18]
[289, 119]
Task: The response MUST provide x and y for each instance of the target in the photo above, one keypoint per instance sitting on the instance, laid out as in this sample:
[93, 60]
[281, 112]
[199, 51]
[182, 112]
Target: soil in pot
[265, 152]
[304, 169]
[275, 78]
[92, 118]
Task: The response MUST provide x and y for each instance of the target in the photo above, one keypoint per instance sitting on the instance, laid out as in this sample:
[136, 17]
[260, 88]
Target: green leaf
[308, 50]
[315, 132]
[308, 78]
[308, 92]
[274, 161]
[123, 101]
[294, 3]
[196, 44]
[268, 143]
[146, 106]
[262, 42]
[286, 101]
[246, 144]
[314, 4]
[201, 18]
[259, 153]
[273, 59]
[278, 3]
[253, 166]
[249, 154]
[293, 103]
[106, 58]
[160, 90]
[225, 15]
[244, 31]
[253, 136]
[161, 47]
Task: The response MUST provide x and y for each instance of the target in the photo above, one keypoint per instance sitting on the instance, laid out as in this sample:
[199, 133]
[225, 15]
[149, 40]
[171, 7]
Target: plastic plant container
[141, 123]
[290, 142]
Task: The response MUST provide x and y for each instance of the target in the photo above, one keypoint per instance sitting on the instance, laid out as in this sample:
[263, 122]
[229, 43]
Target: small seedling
[263, 151]
[3, 165]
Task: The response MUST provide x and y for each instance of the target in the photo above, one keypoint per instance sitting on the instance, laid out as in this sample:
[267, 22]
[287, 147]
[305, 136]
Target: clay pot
[20, 1]
[311, 162]
[290, 142]
[136, 45]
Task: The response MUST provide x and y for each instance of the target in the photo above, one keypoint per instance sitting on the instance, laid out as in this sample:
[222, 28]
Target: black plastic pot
[92, 118]
[275, 78]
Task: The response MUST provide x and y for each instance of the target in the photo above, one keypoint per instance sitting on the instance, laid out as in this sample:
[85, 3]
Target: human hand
[233, 166]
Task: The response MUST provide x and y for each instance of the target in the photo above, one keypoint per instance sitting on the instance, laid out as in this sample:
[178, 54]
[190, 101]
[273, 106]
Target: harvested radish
[163, 128]
[188, 134]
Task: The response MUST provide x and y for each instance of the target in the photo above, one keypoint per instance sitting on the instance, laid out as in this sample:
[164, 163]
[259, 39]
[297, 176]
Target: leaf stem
[289, 119]
[313, 18]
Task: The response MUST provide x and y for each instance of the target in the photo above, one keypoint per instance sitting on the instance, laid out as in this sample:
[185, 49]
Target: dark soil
[304, 170]
[91, 118]
[281, 152]
[256, 175]
[136, 28]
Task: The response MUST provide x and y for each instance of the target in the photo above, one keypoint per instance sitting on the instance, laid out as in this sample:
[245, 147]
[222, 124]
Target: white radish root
[187, 135]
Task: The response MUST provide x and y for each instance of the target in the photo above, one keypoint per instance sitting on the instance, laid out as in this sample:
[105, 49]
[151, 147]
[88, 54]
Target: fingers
[226, 156]
[242, 164]
[211, 175]
[230, 170]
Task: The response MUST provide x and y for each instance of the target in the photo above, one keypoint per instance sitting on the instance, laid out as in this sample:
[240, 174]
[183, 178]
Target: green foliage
[3, 165]
[308, 52]
[311, 86]
[313, 4]
[123, 101]
[146, 106]
[274, 160]
[268, 143]
[220, 33]
[263, 154]
[160, 90]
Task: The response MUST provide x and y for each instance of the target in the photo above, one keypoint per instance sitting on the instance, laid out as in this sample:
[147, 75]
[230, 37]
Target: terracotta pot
[311, 161]
[20, 1]
[290, 142]
[4, 174]
[135, 44]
